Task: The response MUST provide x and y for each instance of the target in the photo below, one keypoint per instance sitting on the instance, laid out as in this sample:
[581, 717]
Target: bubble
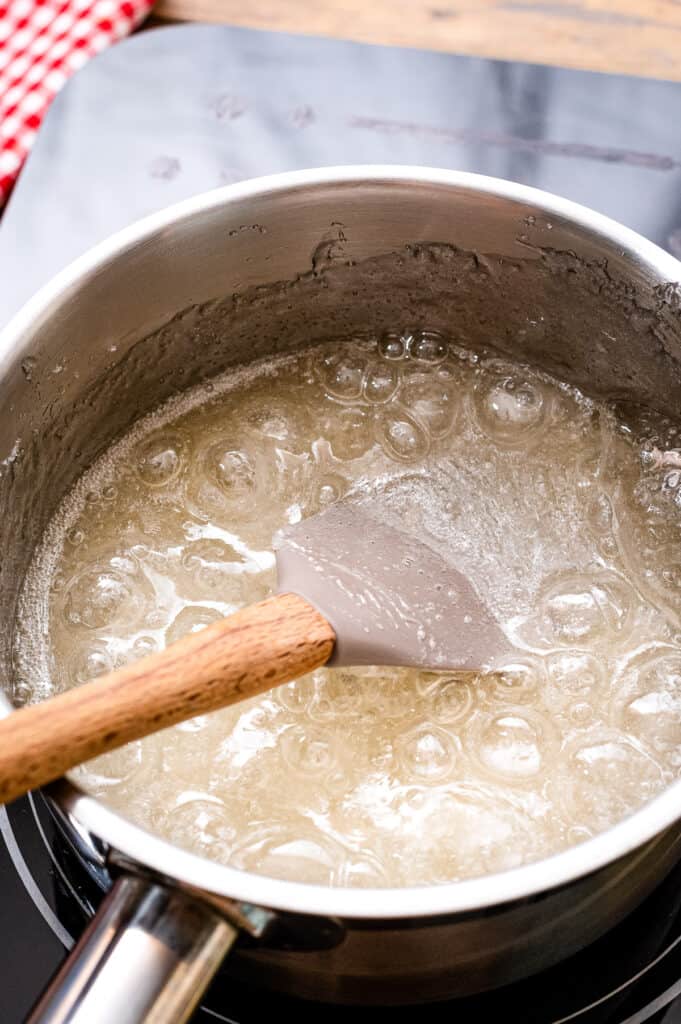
[401, 436]
[203, 826]
[581, 713]
[329, 489]
[89, 663]
[159, 459]
[427, 347]
[284, 422]
[144, 646]
[599, 513]
[391, 346]
[381, 382]
[517, 405]
[510, 409]
[648, 702]
[606, 776]
[452, 700]
[233, 471]
[342, 375]
[426, 752]
[574, 676]
[512, 745]
[100, 597]
[192, 619]
[351, 432]
[75, 536]
[285, 851]
[513, 682]
[308, 751]
[221, 480]
[583, 609]
[432, 402]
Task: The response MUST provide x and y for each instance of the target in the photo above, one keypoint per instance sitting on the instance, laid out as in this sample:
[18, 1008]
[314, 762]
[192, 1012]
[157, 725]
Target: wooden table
[641, 37]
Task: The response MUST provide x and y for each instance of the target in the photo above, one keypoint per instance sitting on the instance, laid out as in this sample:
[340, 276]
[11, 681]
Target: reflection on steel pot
[259, 268]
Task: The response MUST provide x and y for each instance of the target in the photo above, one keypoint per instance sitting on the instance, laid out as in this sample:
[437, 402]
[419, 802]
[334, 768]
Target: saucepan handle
[148, 956]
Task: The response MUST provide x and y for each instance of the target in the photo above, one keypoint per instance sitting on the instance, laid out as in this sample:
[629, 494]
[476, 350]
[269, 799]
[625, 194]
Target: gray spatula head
[391, 599]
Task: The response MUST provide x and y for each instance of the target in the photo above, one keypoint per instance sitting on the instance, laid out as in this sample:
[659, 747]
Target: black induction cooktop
[175, 111]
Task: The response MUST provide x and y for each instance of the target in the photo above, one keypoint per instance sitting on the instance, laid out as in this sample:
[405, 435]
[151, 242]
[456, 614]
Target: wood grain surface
[641, 37]
[254, 650]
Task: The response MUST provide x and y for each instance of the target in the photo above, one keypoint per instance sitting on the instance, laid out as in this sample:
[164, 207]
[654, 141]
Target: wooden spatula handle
[256, 649]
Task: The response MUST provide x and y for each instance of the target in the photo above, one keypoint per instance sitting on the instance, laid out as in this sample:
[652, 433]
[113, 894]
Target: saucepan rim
[198, 872]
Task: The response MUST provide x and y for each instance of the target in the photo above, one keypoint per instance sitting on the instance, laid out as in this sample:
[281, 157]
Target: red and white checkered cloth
[42, 42]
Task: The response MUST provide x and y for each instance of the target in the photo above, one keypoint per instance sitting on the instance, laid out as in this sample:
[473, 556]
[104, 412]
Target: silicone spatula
[354, 589]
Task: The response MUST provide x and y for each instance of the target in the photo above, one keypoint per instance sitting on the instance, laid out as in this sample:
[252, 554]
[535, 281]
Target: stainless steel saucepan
[267, 266]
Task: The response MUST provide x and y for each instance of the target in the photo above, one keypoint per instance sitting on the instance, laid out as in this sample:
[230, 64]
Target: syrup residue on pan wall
[567, 519]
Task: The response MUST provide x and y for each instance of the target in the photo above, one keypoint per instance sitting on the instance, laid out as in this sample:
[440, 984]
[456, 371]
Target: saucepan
[262, 267]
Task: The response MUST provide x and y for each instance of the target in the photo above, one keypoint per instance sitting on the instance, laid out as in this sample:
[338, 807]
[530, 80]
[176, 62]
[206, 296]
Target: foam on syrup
[566, 520]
